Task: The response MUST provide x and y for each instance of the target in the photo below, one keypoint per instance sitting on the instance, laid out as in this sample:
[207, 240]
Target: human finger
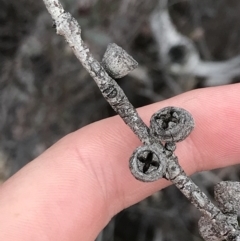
[73, 189]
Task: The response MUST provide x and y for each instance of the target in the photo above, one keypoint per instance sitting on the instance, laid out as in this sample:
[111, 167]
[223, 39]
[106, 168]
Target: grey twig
[156, 158]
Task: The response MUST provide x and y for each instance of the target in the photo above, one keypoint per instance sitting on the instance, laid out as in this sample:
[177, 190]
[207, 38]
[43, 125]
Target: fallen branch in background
[179, 55]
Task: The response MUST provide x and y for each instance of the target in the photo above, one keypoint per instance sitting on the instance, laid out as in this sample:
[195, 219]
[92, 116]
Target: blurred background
[45, 93]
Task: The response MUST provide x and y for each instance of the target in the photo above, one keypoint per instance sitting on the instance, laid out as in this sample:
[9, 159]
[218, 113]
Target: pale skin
[71, 191]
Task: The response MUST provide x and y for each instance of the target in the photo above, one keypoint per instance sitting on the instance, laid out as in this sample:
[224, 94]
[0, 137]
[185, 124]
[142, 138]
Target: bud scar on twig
[156, 158]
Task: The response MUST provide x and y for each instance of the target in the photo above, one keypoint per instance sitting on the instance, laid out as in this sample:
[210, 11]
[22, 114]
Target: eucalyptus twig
[156, 158]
